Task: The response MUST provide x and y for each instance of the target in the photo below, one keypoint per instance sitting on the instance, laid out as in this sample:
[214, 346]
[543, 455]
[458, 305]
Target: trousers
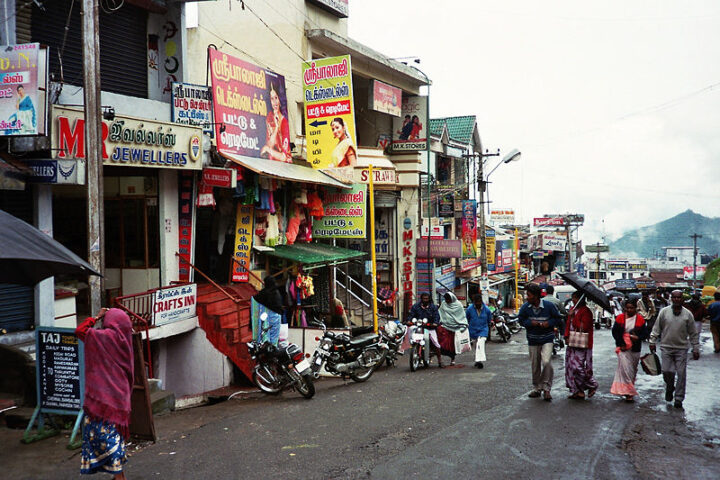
[542, 369]
[715, 329]
[674, 363]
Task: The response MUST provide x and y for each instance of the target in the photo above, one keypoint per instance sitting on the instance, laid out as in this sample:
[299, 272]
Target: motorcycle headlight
[326, 346]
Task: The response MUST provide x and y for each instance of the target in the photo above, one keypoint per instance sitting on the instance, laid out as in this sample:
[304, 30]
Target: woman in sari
[109, 372]
[277, 145]
[629, 331]
[452, 319]
[343, 155]
[578, 361]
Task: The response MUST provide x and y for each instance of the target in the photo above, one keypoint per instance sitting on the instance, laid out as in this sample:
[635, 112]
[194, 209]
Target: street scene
[342, 239]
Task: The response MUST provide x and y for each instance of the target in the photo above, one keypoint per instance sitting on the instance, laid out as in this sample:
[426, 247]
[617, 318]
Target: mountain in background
[647, 242]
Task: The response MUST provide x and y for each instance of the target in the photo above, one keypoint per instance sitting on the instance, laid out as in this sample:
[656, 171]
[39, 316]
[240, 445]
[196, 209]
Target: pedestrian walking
[578, 359]
[109, 373]
[697, 308]
[550, 297]
[629, 331]
[646, 307]
[479, 316]
[675, 329]
[540, 319]
[713, 311]
[452, 319]
[425, 309]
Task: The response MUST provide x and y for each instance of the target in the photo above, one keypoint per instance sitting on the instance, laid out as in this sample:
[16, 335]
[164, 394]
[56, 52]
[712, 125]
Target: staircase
[226, 321]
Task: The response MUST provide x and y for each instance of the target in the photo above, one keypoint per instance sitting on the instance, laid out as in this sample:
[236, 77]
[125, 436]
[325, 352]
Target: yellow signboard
[243, 243]
[329, 119]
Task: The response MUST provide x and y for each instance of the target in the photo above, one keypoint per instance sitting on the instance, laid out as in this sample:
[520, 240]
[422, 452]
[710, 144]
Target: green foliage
[712, 273]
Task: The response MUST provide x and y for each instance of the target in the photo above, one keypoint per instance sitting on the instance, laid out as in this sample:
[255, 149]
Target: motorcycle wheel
[514, 328]
[262, 384]
[305, 385]
[415, 356]
[368, 371]
[503, 335]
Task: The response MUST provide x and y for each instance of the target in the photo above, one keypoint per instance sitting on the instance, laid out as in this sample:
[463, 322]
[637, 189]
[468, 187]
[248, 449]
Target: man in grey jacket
[675, 327]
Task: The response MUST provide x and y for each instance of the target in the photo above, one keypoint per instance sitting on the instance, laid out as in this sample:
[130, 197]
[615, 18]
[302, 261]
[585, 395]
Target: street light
[512, 156]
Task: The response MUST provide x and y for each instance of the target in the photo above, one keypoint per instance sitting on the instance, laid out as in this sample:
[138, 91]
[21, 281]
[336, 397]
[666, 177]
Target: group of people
[674, 330]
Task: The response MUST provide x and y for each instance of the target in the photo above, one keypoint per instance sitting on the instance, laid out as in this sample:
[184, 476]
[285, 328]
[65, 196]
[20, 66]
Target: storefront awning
[315, 253]
[284, 171]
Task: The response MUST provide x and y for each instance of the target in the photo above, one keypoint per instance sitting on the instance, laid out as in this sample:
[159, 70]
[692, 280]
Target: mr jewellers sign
[127, 141]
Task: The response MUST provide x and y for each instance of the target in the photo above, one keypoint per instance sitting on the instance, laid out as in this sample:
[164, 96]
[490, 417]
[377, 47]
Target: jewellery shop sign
[127, 141]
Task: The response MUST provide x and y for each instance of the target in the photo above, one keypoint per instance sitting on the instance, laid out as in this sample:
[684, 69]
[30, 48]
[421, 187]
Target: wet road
[457, 422]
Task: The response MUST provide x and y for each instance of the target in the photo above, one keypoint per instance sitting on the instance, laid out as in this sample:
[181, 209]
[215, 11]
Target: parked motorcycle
[278, 368]
[558, 342]
[393, 334]
[499, 325]
[513, 323]
[419, 344]
[354, 357]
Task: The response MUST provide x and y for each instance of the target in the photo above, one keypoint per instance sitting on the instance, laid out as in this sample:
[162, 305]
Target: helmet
[392, 328]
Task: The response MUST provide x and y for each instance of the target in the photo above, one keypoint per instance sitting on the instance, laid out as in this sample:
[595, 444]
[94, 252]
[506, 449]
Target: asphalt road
[456, 422]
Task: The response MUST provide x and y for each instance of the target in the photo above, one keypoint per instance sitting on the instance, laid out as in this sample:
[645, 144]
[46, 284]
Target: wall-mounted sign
[243, 243]
[192, 105]
[175, 304]
[250, 106]
[688, 273]
[339, 8]
[219, 177]
[129, 142]
[68, 172]
[445, 248]
[446, 207]
[470, 263]
[502, 217]
[186, 187]
[490, 248]
[410, 130]
[23, 72]
[548, 222]
[407, 275]
[637, 267]
[554, 241]
[329, 113]
[437, 231]
[385, 98]
[615, 266]
[469, 228]
[444, 279]
[380, 176]
[344, 214]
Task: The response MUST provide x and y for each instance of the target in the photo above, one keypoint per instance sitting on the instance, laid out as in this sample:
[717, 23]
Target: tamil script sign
[469, 229]
[444, 248]
[243, 243]
[192, 105]
[344, 214]
[22, 96]
[502, 217]
[250, 105]
[410, 130]
[385, 98]
[175, 304]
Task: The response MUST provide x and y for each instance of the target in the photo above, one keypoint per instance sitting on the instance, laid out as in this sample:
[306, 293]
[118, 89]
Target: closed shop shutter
[385, 199]
[22, 22]
[123, 45]
[17, 301]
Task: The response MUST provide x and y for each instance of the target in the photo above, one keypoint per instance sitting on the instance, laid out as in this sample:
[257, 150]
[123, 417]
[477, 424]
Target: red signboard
[549, 221]
[220, 177]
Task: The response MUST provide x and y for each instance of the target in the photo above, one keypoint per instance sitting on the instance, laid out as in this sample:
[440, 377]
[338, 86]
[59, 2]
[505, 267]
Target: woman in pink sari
[629, 331]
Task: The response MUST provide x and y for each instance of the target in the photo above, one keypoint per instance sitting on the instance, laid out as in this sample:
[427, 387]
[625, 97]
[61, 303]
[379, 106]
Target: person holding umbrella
[578, 360]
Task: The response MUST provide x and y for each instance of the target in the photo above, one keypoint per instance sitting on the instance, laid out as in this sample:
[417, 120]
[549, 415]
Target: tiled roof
[460, 129]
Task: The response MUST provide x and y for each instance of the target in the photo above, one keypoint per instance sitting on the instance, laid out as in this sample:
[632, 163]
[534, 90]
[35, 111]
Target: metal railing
[350, 294]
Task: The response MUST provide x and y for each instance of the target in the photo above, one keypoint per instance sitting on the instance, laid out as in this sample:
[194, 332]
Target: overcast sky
[615, 106]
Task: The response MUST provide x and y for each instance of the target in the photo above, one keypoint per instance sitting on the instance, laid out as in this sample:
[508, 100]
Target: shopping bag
[462, 341]
[651, 364]
[578, 339]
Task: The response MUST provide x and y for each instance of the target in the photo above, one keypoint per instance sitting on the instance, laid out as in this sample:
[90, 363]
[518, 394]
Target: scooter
[419, 344]
[499, 324]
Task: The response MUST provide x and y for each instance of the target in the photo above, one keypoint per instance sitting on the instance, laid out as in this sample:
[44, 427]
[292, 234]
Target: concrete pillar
[45, 290]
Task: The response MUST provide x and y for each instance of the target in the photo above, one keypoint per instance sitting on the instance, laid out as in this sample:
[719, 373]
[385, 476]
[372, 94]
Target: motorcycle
[558, 342]
[354, 357]
[278, 368]
[513, 323]
[419, 344]
[393, 334]
[499, 325]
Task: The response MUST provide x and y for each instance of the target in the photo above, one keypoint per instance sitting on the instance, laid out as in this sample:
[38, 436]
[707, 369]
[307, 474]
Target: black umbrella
[27, 255]
[589, 289]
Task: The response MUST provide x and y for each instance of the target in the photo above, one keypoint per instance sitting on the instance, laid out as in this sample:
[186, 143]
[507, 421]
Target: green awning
[315, 253]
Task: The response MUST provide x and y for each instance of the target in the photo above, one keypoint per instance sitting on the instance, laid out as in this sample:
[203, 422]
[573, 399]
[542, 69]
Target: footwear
[452, 362]
[546, 396]
[534, 394]
[479, 365]
[577, 396]
[678, 404]
[591, 392]
[669, 390]
[629, 398]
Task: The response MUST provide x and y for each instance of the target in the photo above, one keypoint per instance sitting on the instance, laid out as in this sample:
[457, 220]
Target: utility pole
[93, 149]
[597, 274]
[695, 236]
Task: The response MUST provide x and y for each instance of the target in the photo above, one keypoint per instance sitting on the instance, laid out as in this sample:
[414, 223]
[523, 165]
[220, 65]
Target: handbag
[651, 364]
[462, 341]
[578, 339]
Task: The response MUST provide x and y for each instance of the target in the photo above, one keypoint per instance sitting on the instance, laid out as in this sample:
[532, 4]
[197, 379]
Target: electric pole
[695, 236]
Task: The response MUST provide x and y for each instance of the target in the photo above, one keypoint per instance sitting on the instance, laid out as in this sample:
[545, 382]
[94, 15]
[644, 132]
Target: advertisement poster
[22, 107]
[469, 228]
[556, 242]
[548, 221]
[329, 113]
[447, 203]
[243, 243]
[502, 217]
[250, 105]
[688, 273]
[490, 248]
[175, 304]
[192, 105]
[345, 211]
[385, 98]
[443, 248]
[410, 129]
[60, 368]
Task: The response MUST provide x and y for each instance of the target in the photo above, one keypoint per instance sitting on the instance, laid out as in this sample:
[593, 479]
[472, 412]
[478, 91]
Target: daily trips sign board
[329, 119]
[345, 212]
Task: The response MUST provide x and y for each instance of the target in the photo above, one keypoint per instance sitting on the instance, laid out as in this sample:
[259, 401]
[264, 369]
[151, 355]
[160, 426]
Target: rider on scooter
[426, 309]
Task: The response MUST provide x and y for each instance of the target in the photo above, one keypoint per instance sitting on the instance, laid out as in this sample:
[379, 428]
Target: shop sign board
[251, 109]
[615, 266]
[438, 231]
[490, 248]
[688, 273]
[344, 214]
[329, 112]
[186, 187]
[383, 247]
[638, 267]
[645, 284]
[447, 203]
[408, 258]
[469, 229]
[410, 129]
[609, 286]
[60, 369]
[175, 304]
[219, 177]
[470, 263]
[128, 141]
[444, 279]
[65, 172]
[23, 71]
[549, 222]
[339, 8]
[243, 243]
[424, 275]
[625, 283]
[192, 105]
[385, 98]
[445, 248]
[554, 241]
[380, 176]
[502, 217]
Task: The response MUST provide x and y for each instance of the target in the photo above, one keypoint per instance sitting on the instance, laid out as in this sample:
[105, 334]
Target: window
[132, 232]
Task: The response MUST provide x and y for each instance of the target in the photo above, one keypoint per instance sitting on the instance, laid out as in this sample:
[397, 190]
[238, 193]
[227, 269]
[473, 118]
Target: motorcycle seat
[363, 339]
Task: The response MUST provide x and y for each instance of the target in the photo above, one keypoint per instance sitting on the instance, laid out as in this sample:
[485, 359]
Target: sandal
[577, 396]
[591, 392]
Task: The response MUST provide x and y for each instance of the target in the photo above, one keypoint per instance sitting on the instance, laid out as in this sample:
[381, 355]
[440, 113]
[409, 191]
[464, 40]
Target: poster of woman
[469, 229]
[19, 92]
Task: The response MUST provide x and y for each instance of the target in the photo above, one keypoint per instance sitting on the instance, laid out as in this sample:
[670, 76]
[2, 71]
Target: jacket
[618, 330]
[545, 312]
[479, 322]
[582, 320]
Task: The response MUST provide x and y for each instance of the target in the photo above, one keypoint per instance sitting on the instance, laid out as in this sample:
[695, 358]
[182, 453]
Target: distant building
[683, 255]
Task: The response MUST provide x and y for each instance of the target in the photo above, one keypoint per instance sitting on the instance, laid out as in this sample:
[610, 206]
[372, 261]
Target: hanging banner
[385, 98]
[250, 105]
[490, 248]
[469, 228]
[243, 243]
[329, 113]
[192, 105]
[410, 130]
[186, 181]
[23, 69]
[344, 214]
